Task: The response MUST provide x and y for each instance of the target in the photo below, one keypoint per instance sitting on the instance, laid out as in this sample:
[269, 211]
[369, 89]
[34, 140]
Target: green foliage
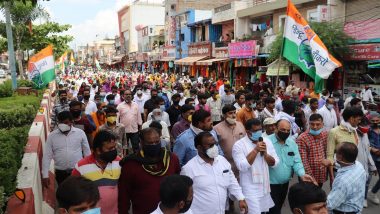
[6, 89]
[331, 34]
[24, 83]
[12, 143]
[48, 33]
[17, 101]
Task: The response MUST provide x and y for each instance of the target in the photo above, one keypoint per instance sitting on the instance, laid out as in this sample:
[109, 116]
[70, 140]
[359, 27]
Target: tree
[48, 33]
[331, 33]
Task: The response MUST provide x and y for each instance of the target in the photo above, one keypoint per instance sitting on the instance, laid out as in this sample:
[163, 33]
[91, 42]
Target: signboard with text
[242, 49]
[168, 51]
[363, 52]
[200, 49]
[221, 52]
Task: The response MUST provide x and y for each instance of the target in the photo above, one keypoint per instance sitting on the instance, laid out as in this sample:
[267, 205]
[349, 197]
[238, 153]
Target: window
[312, 15]
[151, 30]
[281, 22]
[182, 37]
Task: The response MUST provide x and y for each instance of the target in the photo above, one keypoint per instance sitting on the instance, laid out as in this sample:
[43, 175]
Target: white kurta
[254, 179]
[329, 118]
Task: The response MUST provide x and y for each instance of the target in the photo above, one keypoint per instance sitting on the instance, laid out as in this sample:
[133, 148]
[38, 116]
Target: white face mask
[231, 121]
[212, 152]
[63, 127]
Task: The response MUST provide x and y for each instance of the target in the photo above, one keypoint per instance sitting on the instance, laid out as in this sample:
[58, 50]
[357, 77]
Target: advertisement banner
[200, 49]
[362, 52]
[242, 49]
[363, 30]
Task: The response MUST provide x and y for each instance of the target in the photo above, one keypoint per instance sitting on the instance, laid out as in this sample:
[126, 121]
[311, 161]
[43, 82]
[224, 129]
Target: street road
[371, 209]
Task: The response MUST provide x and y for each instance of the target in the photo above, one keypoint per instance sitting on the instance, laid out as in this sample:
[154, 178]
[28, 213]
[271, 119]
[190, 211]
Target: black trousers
[61, 175]
[278, 193]
[134, 137]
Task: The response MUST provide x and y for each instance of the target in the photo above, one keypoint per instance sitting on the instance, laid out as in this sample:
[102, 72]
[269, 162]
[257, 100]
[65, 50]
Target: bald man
[290, 162]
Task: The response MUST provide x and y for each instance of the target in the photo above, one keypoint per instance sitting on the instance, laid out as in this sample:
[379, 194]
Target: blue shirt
[347, 194]
[290, 161]
[374, 140]
[184, 146]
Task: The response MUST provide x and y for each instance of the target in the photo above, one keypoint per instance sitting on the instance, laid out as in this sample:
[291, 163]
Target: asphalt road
[371, 209]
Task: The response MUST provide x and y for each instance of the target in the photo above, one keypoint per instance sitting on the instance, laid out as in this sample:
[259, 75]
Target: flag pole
[282, 47]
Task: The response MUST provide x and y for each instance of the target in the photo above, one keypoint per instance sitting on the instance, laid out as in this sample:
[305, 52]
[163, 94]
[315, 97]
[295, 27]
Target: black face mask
[176, 103]
[282, 135]
[152, 150]
[186, 207]
[375, 125]
[63, 100]
[86, 97]
[76, 113]
[108, 156]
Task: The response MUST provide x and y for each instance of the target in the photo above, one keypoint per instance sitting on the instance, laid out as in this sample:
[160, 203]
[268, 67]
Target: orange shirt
[244, 114]
[98, 122]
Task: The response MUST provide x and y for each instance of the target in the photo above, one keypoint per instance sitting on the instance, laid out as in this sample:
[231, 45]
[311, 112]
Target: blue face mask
[162, 107]
[93, 211]
[256, 135]
[160, 94]
[112, 102]
[315, 132]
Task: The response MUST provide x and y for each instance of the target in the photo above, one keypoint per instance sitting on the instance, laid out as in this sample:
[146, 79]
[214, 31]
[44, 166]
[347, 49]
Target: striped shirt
[106, 180]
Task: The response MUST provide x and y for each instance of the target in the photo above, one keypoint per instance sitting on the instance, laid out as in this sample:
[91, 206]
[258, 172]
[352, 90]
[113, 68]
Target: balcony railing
[257, 2]
[223, 8]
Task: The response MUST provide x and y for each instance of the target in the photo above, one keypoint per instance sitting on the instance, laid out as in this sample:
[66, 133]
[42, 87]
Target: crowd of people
[156, 143]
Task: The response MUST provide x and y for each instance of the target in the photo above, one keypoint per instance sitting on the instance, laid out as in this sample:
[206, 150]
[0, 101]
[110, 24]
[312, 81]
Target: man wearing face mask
[150, 104]
[61, 105]
[213, 177]
[290, 163]
[160, 105]
[323, 100]
[102, 167]
[329, 115]
[348, 189]
[80, 120]
[130, 116]
[345, 132]
[89, 104]
[142, 173]
[140, 99]
[176, 194]
[184, 145]
[157, 115]
[117, 129]
[229, 131]
[312, 146]
[248, 111]
[253, 156]
[184, 122]
[66, 145]
[215, 107]
[364, 154]
[288, 110]
[97, 118]
[174, 110]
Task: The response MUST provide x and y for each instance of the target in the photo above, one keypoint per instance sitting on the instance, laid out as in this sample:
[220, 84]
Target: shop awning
[273, 69]
[374, 64]
[167, 59]
[189, 60]
[210, 61]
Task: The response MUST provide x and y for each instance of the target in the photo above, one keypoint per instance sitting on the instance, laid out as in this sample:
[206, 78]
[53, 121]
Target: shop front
[362, 67]
[196, 52]
[218, 66]
[154, 57]
[243, 64]
[131, 63]
[142, 61]
[168, 58]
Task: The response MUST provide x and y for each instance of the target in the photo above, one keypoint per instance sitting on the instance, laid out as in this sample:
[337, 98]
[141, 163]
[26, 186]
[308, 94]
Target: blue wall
[187, 33]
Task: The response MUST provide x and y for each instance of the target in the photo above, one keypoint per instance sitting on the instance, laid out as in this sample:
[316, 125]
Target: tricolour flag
[303, 47]
[41, 67]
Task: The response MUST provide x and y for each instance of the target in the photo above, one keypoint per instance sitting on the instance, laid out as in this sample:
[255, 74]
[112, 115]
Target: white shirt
[117, 98]
[210, 184]
[216, 109]
[367, 96]
[140, 101]
[329, 117]
[165, 130]
[65, 150]
[254, 179]
[90, 107]
[236, 105]
[221, 91]
[159, 211]
[165, 117]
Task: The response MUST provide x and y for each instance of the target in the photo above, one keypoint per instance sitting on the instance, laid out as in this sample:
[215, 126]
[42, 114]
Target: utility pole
[11, 51]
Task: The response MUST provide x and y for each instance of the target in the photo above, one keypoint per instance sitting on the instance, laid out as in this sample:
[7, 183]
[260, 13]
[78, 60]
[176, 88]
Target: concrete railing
[37, 198]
